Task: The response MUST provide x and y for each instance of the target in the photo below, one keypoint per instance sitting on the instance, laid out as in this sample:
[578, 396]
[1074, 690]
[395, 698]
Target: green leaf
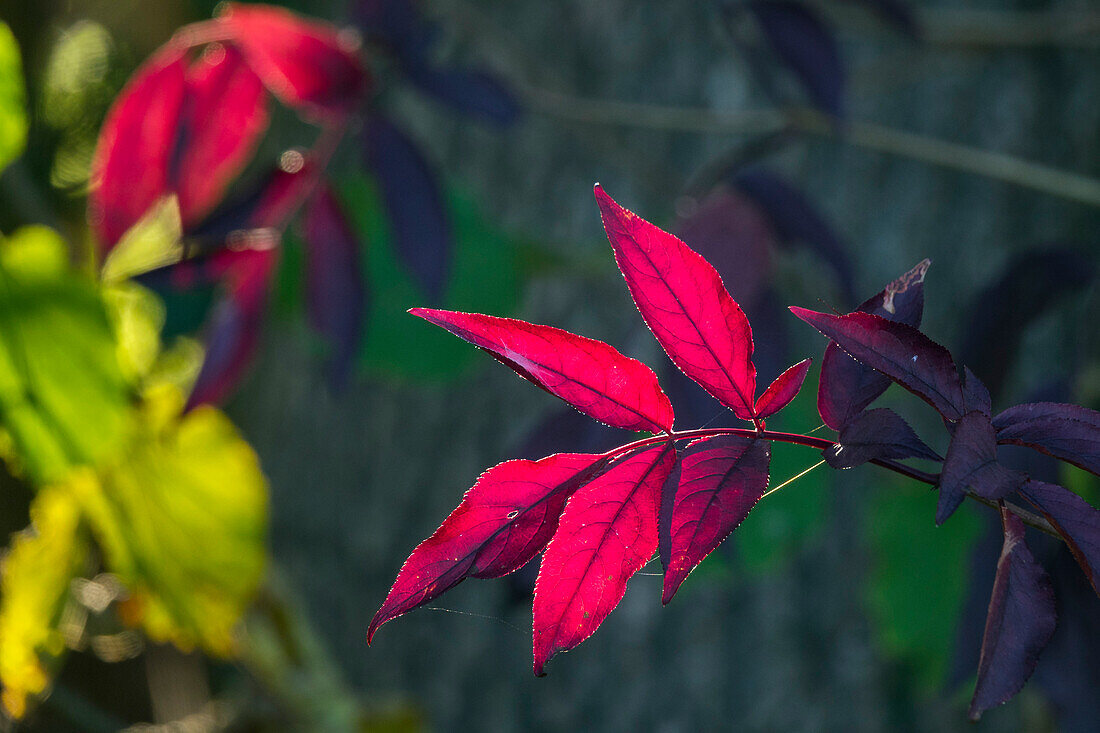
[34, 586]
[918, 576]
[63, 396]
[181, 516]
[13, 99]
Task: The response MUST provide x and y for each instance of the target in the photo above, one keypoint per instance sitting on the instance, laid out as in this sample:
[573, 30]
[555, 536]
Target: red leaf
[971, 463]
[135, 147]
[588, 374]
[607, 532]
[1020, 623]
[899, 351]
[1068, 432]
[1075, 519]
[502, 523]
[308, 65]
[847, 386]
[873, 434]
[224, 115]
[683, 301]
[721, 479]
[782, 390]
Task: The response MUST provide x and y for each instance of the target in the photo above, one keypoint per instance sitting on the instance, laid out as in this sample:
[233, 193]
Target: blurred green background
[837, 604]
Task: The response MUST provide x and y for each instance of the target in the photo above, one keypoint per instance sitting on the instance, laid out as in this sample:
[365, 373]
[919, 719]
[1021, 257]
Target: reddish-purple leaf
[847, 386]
[502, 523]
[683, 301]
[899, 351]
[335, 298]
[875, 434]
[588, 374]
[1020, 623]
[1068, 432]
[232, 334]
[607, 532]
[422, 235]
[971, 463]
[721, 479]
[308, 65]
[136, 145]
[802, 41]
[224, 115]
[1075, 519]
[780, 392]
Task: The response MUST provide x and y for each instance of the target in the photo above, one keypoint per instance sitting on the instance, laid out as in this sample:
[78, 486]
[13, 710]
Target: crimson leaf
[874, 434]
[1075, 519]
[721, 479]
[1068, 432]
[972, 463]
[334, 282]
[683, 301]
[308, 65]
[502, 523]
[847, 386]
[1020, 623]
[780, 392]
[224, 114]
[607, 532]
[130, 167]
[899, 351]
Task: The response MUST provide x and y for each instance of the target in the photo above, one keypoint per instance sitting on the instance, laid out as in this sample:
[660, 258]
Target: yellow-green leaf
[13, 99]
[181, 516]
[34, 585]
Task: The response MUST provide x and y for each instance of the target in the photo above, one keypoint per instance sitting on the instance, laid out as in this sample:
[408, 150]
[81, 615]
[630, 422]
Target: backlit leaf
[588, 374]
[683, 301]
[780, 392]
[721, 479]
[1020, 623]
[13, 102]
[607, 532]
[502, 523]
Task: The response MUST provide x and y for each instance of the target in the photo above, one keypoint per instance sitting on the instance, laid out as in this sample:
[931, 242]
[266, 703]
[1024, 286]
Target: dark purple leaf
[1075, 519]
[899, 351]
[971, 464]
[847, 386]
[475, 93]
[879, 433]
[975, 394]
[1020, 623]
[335, 298]
[422, 236]
[796, 220]
[805, 44]
[1068, 432]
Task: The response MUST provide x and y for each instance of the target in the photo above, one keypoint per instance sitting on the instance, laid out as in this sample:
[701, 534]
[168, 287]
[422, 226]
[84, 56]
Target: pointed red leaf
[607, 532]
[335, 297]
[1020, 623]
[899, 351]
[847, 386]
[875, 434]
[721, 479]
[780, 392]
[308, 65]
[1068, 432]
[502, 523]
[135, 146]
[683, 301]
[1075, 519]
[224, 115]
[971, 465]
[588, 374]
